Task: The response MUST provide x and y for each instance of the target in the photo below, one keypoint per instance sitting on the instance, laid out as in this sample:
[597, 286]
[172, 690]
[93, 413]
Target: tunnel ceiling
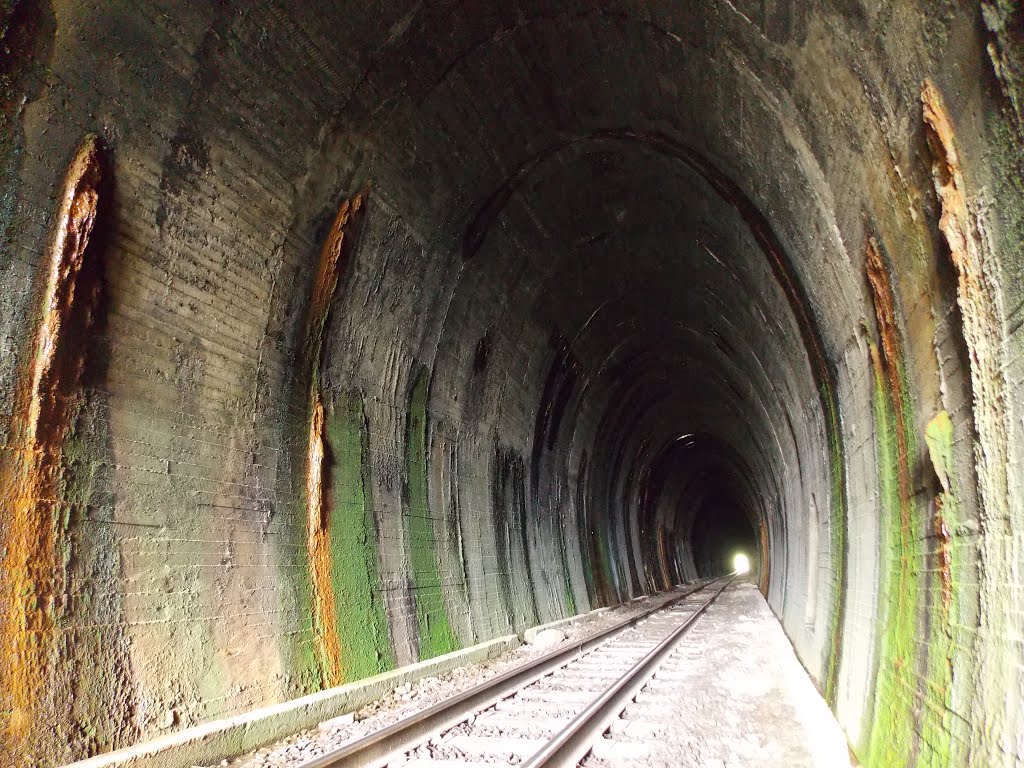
[341, 336]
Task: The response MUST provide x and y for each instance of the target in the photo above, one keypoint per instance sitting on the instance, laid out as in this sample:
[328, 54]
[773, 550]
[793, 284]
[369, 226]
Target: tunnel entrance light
[741, 564]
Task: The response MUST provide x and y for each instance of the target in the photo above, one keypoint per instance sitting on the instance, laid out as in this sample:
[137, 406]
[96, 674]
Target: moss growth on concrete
[300, 657]
[361, 624]
[893, 733]
[298, 648]
[937, 743]
[322, 597]
[435, 631]
[938, 436]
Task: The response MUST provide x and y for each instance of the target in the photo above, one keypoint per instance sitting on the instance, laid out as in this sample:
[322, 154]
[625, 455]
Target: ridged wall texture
[335, 336]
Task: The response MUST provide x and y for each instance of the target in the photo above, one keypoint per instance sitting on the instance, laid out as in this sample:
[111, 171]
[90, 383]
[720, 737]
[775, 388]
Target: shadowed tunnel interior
[338, 336]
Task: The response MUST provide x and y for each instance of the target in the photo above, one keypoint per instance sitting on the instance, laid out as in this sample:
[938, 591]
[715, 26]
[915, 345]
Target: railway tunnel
[338, 336]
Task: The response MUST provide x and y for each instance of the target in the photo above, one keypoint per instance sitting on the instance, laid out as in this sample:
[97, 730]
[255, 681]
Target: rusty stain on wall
[945, 562]
[980, 307]
[939, 439]
[324, 615]
[666, 580]
[978, 298]
[33, 586]
[891, 361]
[325, 279]
[325, 282]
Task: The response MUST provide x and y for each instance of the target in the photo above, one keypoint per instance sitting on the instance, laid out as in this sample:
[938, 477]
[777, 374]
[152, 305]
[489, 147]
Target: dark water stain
[508, 483]
[27, 29]
[482, 353]
[189, 154]
[559, 386]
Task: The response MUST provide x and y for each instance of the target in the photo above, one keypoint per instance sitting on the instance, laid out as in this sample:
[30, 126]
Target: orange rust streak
[325, 282]
[945, 560]
[885, 312]
[320, 554]
[31, 590]
[979, 300]
[980, 309]
[663, 556]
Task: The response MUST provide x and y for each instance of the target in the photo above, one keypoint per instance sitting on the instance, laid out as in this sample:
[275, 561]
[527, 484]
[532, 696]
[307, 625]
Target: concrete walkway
[732, 696]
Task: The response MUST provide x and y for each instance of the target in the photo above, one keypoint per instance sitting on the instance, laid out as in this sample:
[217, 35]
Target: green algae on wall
[318, 541]
[937, 743]
[435, 631]
[443, 485]
[298, 649]
[892, 736]
[362, 628]
[300, 657]
[911, 720]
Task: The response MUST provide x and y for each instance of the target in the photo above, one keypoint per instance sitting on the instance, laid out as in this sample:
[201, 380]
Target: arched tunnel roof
[340, 336]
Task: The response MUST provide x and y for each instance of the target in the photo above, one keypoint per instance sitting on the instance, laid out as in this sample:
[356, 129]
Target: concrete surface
[734, 695]
[216, 741]
[339, 336]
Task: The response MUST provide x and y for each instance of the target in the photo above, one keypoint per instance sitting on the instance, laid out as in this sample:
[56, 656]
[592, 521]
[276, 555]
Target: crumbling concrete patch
[980, 306]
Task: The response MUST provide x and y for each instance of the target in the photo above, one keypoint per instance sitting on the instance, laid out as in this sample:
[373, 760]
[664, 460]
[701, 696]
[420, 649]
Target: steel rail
[377, 748]
[572, 743]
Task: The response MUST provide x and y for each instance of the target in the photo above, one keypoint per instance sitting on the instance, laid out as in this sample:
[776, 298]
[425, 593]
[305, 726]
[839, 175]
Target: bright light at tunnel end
[741, 564]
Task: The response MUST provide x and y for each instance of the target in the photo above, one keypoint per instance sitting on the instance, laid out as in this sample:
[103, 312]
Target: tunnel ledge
[210, 743]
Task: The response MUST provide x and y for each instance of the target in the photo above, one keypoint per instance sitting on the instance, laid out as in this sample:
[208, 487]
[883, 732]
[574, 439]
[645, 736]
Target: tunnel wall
[329, 343]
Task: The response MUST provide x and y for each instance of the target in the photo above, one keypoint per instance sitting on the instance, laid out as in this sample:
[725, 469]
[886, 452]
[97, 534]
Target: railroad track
[549, 712]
